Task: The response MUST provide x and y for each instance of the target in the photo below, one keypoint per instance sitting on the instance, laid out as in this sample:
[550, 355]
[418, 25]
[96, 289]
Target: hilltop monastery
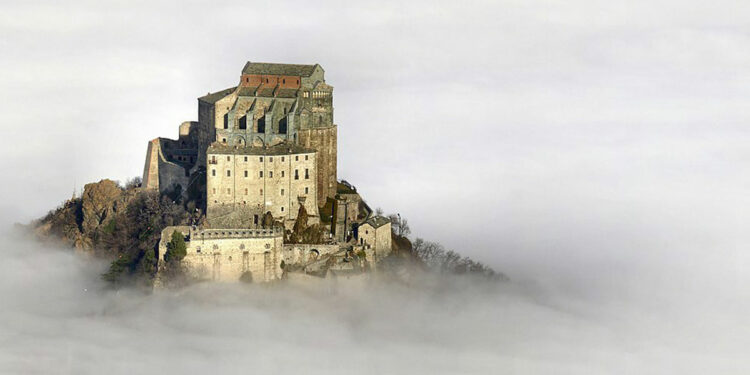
[261, 154]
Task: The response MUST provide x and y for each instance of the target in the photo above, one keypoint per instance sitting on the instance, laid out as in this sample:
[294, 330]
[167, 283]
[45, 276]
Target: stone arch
[314, 254]
[240, 141]
[258, 142]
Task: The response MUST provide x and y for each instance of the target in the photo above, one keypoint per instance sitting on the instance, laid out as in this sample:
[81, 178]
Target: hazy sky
[597, 148]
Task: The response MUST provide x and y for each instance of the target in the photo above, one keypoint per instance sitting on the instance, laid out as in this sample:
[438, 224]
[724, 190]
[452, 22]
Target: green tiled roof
[278, 69]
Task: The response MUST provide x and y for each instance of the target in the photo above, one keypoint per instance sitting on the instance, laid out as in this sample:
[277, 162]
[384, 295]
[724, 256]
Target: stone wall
[161, 174]
[225, 255]
[256, 184]
[324, 141]
[375, 241]
[301, 254]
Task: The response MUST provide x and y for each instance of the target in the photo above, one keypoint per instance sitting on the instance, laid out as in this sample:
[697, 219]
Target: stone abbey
[266, 147]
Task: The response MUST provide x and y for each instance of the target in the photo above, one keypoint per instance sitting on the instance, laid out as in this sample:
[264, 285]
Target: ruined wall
[301, 254]
[324, 141]
[160, 173]
[225, 255]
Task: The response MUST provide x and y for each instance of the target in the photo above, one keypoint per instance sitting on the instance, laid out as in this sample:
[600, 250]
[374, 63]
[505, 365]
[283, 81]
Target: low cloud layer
[56, 317]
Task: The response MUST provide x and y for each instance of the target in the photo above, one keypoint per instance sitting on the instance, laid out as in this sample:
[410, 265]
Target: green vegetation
[176, 249]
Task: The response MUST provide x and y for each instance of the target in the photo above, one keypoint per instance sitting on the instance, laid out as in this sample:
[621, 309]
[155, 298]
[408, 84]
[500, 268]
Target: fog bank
[57, 317]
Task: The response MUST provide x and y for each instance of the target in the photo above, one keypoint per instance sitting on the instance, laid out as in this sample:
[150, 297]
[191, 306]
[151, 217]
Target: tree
[176, 249]
[399, 225]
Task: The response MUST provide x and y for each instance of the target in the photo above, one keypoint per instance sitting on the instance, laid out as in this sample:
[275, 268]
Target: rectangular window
[296, 158]
[270, 174]
[213, 172]
[245, 158]
[282, 191]
[282, 159]
[261, 191]
[214, 190]
[245, 173]
[296, 174]
[282, 209]
[229, 173]
[282, 173]
[261, 159]
[260, 174]
[229, 191]
[306, 190]
[305, 157]
[270, 159]
[307, 174]
[229, 158]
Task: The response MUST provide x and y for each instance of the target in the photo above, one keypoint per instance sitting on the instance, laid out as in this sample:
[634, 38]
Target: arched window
[226, 121]
[262, 124]
[243, 122]
[282, 126]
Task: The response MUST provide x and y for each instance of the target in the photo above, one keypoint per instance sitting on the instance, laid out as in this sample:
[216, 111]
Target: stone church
[266, 145]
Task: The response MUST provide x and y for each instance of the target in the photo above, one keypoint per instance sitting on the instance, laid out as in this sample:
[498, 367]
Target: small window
[229, 173]
[223, 140]
[282, 173]
[261, 191]
[260, 174]
[282, 191]
[261, 159]
[266, 80]
[270, 174]
[214, 190]
[282, 209]
[270, 159]
[245, 173]
[307, 190]
[229, 158]
[283, 81]
[307, 174]
[229, 191]
[245, 191]
[305, 157]
[213, 172]
[282, 159]
[296, 157]
[296, 174]
[245, 158]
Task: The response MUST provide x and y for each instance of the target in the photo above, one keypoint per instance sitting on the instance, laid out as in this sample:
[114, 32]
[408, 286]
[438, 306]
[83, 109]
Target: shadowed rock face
[99, 201]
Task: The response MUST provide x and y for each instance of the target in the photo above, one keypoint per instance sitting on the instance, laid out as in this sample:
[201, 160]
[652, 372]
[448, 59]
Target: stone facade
[251, 181]
[374, 235]
[225, 255]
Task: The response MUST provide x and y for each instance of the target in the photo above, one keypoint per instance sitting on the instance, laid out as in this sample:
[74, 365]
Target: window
[282, 209]
[213, 172]
[245, 158]
[307, 174]
[296, 174]
[245, 173]
[261, 191]
[296, 157]
[307, 190]
[229, 191]
[229, 158]
[283, 81]
[306, 157]
[260, 174]
[282, 159]
[223, 140]
[229, 173]
[270, 159]
[226, 121]
[243, 122]
[245, 191]
[282, 173]
[214, 191]
[270, 174]
[261, 159]
[282, 191]
[213, 159]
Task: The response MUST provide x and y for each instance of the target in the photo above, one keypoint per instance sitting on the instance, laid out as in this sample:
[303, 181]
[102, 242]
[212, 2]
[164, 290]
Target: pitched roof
[213, 98]
[377, 221]
[279, 69]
